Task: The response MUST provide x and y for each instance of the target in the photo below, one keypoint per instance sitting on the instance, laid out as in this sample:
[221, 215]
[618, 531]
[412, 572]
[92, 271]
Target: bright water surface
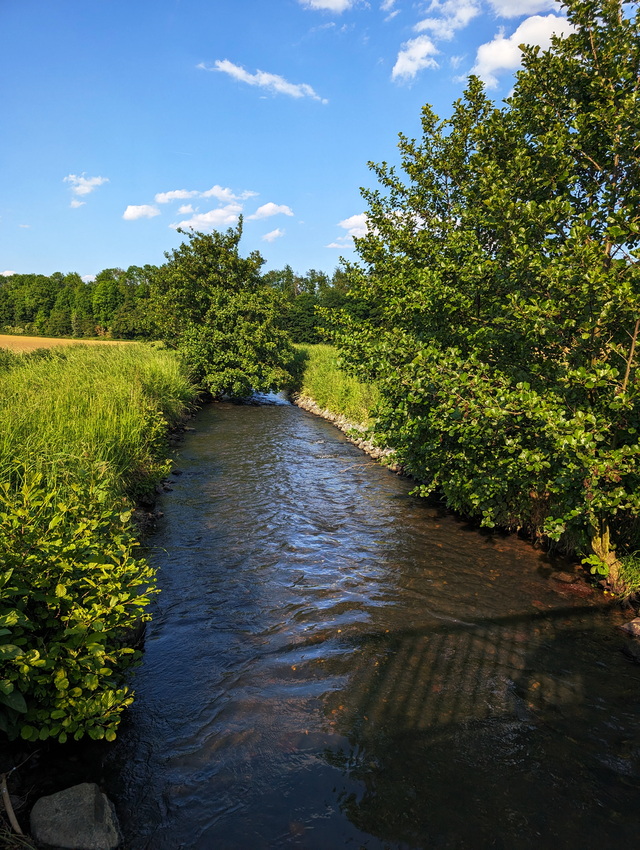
[335, 663]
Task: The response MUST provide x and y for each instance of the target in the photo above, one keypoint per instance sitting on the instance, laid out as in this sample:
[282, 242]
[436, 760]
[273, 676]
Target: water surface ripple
[334, 662]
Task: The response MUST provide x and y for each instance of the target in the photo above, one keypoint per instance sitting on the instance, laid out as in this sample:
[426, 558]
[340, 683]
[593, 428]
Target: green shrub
[69, 590]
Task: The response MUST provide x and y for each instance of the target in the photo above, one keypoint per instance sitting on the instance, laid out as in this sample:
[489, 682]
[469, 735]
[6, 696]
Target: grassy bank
[332, 388]
[82, 434]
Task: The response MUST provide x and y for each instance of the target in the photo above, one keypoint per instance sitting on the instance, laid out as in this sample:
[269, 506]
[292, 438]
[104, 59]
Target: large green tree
[213, 305]
[504, 273]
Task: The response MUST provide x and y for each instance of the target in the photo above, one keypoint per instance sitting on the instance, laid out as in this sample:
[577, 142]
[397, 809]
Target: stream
[336, 663]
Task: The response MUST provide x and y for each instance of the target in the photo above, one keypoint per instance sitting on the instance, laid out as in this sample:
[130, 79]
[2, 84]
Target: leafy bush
[215, 308]
[70, 588]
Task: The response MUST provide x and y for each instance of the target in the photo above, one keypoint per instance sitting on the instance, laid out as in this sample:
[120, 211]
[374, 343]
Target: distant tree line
[121, 304]
[115, 304]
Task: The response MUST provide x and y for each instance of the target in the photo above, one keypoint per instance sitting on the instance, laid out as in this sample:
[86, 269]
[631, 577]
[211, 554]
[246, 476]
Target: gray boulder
[78, 818]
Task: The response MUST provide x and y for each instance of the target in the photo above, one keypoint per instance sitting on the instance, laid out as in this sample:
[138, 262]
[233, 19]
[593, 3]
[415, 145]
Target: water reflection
[334, 662]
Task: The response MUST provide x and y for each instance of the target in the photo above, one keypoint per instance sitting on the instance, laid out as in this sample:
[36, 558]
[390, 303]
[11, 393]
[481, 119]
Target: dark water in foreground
[334, 663]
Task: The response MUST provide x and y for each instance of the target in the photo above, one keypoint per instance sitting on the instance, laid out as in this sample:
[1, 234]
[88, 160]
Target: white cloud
[88, 278]
[503, 54]
[355, 225]
[216, 191]
[26, 226]
[8, 273]
[267, 210]
[185, 209]
[143, 211]
[176, 195]
[387, 5]
[452, 15]
[226, 194]
[273, 82]
[75, 203]
[392, 15]
[338, 6]
[516, 8]
[81, 185]
[414, 55]
[227, 215]
[273, 235]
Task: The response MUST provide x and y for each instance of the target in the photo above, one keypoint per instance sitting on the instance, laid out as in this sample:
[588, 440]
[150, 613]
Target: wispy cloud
[216, 191]
[267, 210]
[227, 215]
[226, 194]
[337, 6]
[272, 82]
[81, 185]
[273, 235]
[415, 55]
[133, 212]
[450, 16]
[516, 8]
[26, 226]
[75, 203]
[387, 5]
[175, 195]
[503, 54]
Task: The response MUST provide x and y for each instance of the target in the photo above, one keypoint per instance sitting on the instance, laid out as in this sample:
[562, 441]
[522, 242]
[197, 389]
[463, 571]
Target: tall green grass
[333, 389]
[90, 406]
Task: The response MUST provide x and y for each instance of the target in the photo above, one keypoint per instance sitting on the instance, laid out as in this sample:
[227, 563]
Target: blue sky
[123, 119]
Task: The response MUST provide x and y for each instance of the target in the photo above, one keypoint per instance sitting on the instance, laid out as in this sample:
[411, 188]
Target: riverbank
[84, 440]
[330, 393]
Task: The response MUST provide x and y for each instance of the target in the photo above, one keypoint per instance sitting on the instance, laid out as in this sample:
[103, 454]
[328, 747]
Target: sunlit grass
[82, 407]
[332, 388]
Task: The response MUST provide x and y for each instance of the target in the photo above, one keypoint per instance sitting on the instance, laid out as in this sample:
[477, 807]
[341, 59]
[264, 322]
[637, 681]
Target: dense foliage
[114, 304]
[215, 308]
[504, 269]
[82, 434]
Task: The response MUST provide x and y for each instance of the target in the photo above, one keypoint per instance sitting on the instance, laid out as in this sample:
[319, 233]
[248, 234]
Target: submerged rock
[78, 818]
[633, 627]
[566, 578]
[632, 650]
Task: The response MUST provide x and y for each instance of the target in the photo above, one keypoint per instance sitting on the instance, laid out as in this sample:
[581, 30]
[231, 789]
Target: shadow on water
[491, 735]
[333, 662]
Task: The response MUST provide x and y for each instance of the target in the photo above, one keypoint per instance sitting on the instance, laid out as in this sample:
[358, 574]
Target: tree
[213, 305]
[505, 278]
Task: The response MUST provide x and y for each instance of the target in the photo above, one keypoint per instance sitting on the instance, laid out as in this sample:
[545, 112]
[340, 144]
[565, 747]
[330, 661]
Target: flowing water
[334, 662]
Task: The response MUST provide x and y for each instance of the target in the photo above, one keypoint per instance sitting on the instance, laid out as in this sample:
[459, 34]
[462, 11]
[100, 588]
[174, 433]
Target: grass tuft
[331, 388]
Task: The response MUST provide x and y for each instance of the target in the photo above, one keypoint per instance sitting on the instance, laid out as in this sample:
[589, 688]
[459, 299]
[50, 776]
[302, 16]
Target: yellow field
[30, 343]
